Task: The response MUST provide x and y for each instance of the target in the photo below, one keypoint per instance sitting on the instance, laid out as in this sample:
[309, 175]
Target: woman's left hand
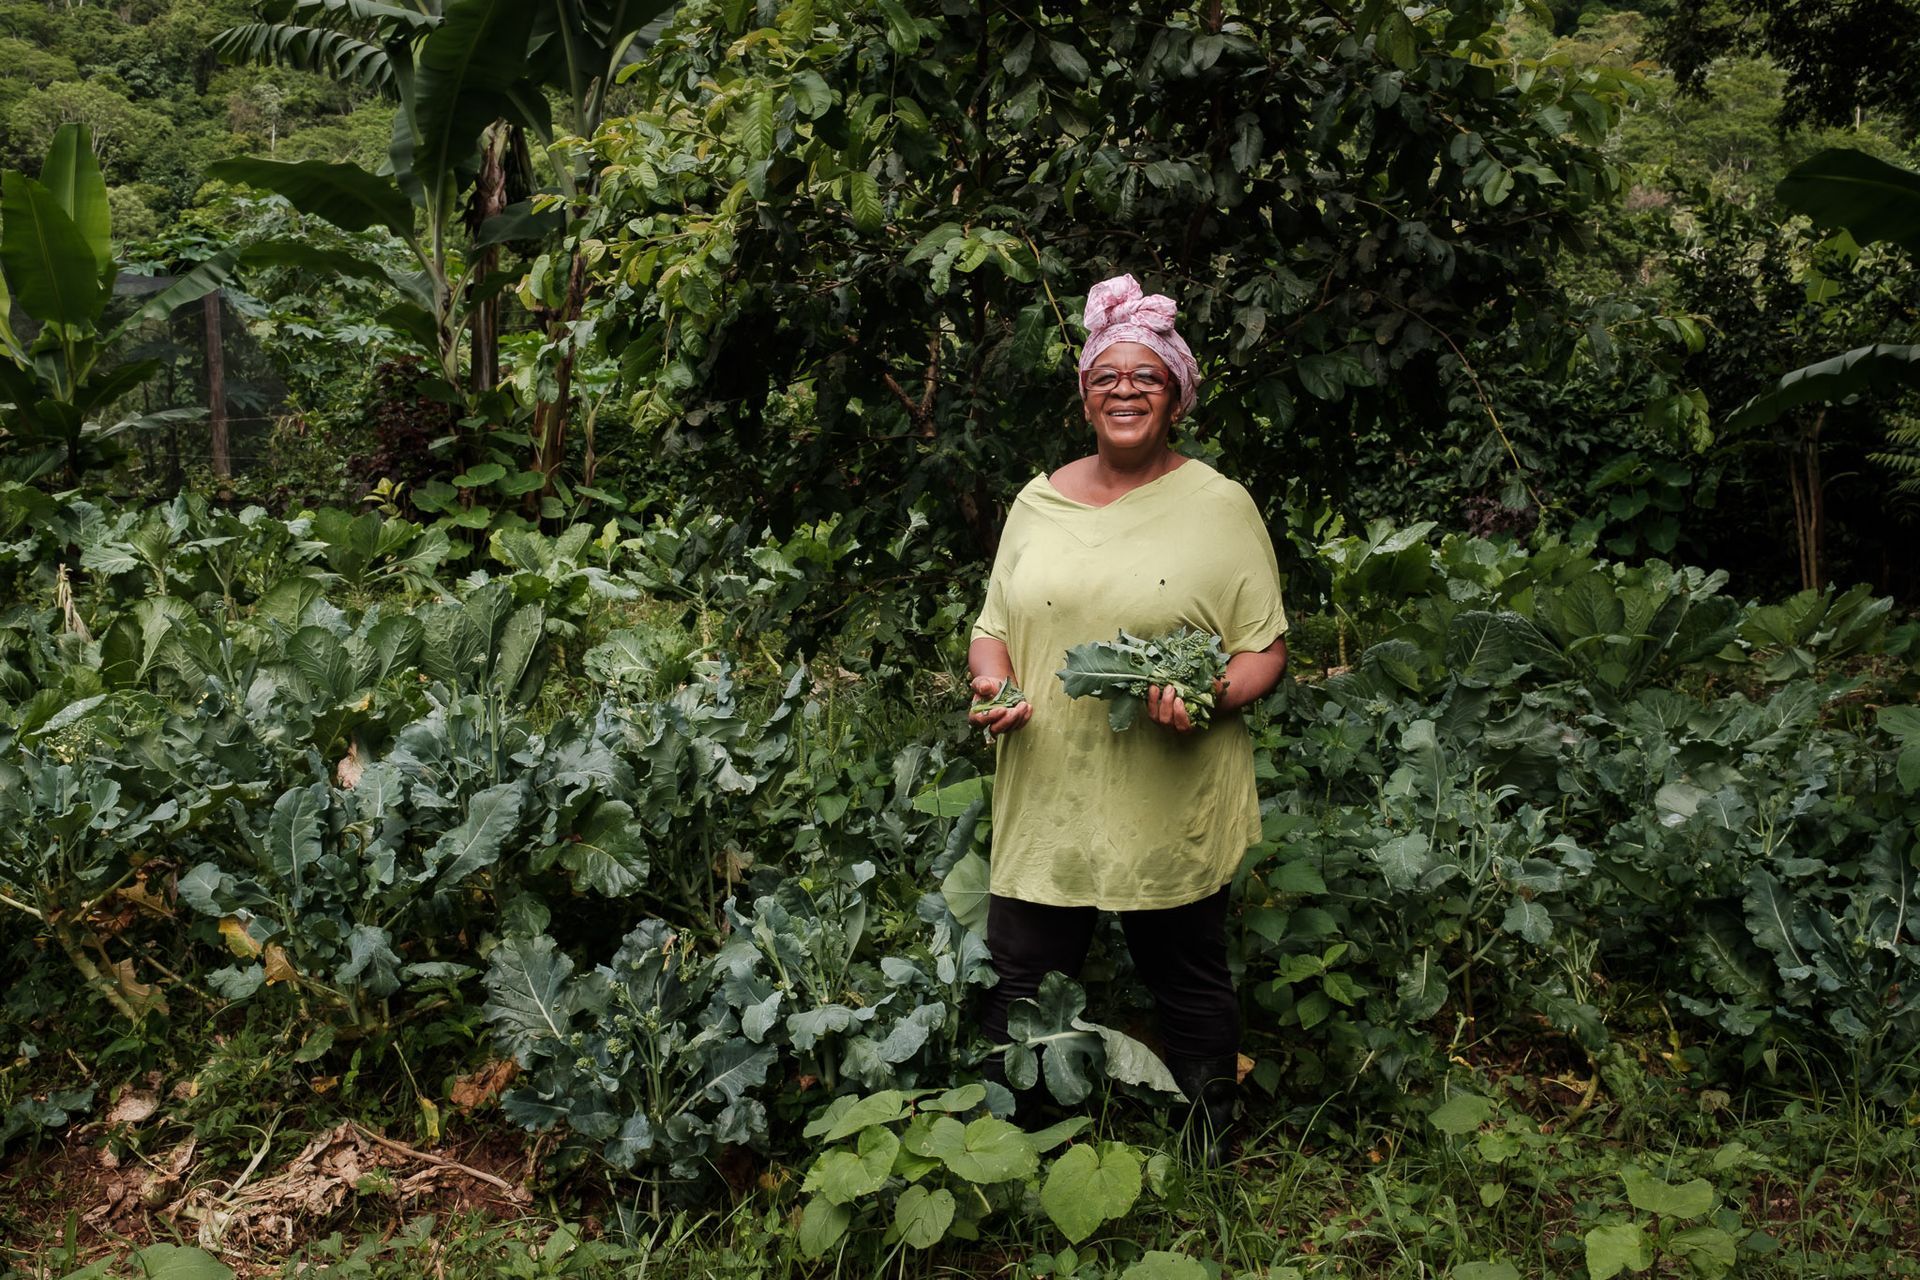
[1169, 710]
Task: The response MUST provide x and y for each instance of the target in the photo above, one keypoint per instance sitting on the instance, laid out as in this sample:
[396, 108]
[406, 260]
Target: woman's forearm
[989, 658]
[1252, 676]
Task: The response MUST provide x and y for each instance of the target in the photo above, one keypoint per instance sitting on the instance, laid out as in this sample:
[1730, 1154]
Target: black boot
[1212, 1086]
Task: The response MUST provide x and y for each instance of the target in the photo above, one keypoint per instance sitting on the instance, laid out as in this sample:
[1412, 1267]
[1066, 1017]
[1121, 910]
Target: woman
[1151, 823]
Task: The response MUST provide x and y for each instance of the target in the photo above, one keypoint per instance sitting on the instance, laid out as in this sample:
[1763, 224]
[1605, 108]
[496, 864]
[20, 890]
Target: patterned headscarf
[1117, 312]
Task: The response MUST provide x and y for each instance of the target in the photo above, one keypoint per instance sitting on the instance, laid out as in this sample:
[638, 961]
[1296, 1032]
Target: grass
[1803, 1184]
[1807, 1177]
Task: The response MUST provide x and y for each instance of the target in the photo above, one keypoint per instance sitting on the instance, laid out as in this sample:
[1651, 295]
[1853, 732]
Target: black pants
[1179, 952]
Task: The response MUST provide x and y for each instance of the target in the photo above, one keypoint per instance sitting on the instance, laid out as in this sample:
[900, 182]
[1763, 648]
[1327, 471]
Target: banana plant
[471, 80]
[575, 47]
[58, 380]
[1874, 201]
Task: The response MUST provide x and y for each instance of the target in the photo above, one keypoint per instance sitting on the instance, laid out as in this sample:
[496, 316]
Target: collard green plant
[1121, 671]
[1528, 762]
[1547, 780]
[369, 551]
[74, 835]
[1050, 1041]
[642, 1057]
[555, 574]
[351, 889]
[1811, 632]
[673, 1047]
[1903, 723]
[1008, 694]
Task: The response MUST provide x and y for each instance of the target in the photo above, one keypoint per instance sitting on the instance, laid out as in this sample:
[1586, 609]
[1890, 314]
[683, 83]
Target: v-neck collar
[1045, 481]
[1092, 526]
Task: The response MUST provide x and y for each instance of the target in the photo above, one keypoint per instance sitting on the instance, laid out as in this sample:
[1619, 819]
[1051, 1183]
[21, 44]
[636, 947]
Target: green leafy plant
[156, 1262]
[471, 81]
[1191, 663]
[1008, 694]
[1526, 762]
[1708, 1250]
[911, 1167]
[671, 1049]
[75, 833]
[368, 551]
[555, 574]
[1814, 629]
[1874, 201]
[33, 1116]
[57, 265]
[1050, 1041]
[1685, 1223]
[1904, 724]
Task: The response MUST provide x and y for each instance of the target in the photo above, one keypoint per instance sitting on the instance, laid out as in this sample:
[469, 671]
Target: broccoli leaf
[1123, 669]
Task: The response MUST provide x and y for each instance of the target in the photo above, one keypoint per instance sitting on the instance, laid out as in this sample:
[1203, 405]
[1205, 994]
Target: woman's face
[1127, 417]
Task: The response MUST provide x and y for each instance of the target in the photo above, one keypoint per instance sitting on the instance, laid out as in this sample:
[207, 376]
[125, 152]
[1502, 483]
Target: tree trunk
[550, 417]
[217, 443]
[489, 198]
[1809, 503]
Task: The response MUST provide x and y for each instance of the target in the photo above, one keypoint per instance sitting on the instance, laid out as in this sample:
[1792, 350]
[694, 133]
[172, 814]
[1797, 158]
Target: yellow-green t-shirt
[1143, 819]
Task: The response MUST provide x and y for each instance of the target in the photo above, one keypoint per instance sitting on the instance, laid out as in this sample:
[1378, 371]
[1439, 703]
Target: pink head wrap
[1117, 312]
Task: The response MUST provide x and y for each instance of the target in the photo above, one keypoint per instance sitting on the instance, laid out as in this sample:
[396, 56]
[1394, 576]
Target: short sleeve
[1256, 615]
[993, 622]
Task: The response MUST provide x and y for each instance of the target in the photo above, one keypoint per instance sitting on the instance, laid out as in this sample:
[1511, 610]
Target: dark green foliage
[862, 307]
[348, 42]
[471, 81]
[1525, 769]
[1551, 795]
[1873, 201]
[1839, 58]
[62, 380]
[673, 1050]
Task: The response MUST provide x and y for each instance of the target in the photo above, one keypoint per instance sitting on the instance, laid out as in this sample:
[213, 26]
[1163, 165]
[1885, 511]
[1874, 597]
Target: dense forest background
[1686, 296]
[1689, 292]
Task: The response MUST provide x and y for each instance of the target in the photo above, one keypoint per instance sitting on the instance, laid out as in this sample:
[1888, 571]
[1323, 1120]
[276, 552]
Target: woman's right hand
[998, 720]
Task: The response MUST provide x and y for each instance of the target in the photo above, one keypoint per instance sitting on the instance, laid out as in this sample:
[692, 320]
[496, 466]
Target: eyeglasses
[1144, 379]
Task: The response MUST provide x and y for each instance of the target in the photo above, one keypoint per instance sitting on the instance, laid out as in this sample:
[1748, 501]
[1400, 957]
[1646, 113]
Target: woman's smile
[1126, 414]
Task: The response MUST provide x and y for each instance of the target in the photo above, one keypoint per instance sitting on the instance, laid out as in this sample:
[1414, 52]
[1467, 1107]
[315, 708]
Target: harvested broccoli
[1009, 696]
[1122, 670]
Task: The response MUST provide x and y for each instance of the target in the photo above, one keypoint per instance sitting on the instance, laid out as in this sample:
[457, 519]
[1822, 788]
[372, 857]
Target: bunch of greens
[1122, 670]
[1010, 695]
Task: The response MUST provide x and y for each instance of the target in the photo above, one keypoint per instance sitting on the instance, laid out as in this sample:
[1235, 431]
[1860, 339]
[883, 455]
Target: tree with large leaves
[471, 80]
[1875, 202]
[1840, 58]
[843, 270]
[57, 266]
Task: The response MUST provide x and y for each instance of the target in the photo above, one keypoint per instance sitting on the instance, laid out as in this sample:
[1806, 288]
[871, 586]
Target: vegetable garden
[563, 852]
